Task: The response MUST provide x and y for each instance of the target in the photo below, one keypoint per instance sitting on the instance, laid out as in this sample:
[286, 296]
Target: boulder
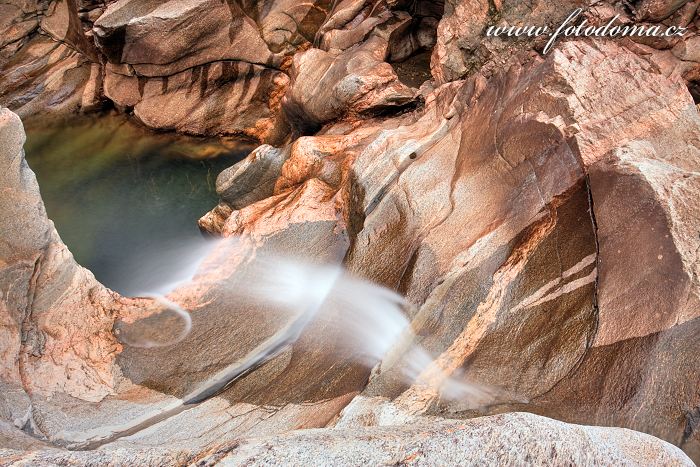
[509, 439]
[63, 23]
[287, 26]
[164, 38]
[49, 78]
[253, 179]
[220, 98]
[331, 85]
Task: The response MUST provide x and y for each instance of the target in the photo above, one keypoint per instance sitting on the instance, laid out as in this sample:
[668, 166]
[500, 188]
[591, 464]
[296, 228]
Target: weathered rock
[463, 48]
[352, 22]
[510, 439]
[164, 38]
[62, 22]
[222, 98]
[230, 40]
[657, 10]
[57, 328]
[287, 25]
[491, 302]
[68, 381]
[47, 77]
[407, 27]
[18, 19]
[253, 179]
[330, 85]
[49, 64]
[457, 37]
[540, 216]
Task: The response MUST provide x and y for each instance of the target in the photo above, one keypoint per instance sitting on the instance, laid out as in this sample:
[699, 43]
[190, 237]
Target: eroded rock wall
[541, 220]
[57, 319]
[539, 212]
[222, 68]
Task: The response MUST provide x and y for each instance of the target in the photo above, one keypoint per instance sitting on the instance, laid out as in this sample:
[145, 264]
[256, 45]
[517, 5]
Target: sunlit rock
[517, 232]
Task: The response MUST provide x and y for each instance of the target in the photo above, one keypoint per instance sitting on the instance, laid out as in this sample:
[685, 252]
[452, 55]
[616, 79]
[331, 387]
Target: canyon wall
[539, 212]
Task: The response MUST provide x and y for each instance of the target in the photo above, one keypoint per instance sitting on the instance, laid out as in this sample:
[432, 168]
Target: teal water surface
[120, 195]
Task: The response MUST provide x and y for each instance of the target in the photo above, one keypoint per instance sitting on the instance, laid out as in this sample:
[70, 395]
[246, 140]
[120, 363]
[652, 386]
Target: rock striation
[68, 382]
[539, 212]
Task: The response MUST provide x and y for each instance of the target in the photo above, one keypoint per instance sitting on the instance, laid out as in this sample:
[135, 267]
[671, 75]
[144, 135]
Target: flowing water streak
[369, 321]
[178, 266]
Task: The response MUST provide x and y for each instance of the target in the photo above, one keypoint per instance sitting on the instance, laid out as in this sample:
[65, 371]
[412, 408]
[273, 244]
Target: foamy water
[369, 320]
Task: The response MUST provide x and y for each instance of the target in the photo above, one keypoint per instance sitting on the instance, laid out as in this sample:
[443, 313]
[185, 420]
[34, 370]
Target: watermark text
[570, 28]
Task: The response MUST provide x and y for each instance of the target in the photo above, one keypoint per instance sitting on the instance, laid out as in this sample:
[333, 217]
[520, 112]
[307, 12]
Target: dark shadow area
[415, 70]
[412, 44]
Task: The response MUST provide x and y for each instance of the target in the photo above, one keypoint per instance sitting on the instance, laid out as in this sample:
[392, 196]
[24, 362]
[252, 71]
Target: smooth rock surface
[539, 213]
[529, 165]
[328, 85]
[57, 328]
[223, 98]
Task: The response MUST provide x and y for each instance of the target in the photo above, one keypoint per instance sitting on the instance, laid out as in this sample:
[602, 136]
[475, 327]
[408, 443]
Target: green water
[119, 194]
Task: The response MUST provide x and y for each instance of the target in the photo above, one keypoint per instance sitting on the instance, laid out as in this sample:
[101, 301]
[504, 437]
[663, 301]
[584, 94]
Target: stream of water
[126, 203]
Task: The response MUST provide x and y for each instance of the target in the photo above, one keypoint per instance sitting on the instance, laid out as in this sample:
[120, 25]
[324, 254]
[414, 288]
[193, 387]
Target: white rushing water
[368, 321]
[362, 321]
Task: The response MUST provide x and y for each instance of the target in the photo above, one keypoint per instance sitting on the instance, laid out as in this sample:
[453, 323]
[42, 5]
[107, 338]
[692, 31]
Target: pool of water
[122, 197]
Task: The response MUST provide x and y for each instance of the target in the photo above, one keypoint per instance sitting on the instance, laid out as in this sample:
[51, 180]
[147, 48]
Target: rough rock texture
[496, 440]
[461, 49]
[209, 67]
[502, 210]
[47, 346]
[539, 213]
[510, 439]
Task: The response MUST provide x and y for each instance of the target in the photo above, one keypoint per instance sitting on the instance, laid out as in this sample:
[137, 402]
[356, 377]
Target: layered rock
[510, 439]
[49, 66]
[57, 321]
[46, 77]
[164, 38]
[162, 60]
[222, 98]
[538, 213]
[17, 21]
[526, 174]
[249, 47]
[198, 67]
